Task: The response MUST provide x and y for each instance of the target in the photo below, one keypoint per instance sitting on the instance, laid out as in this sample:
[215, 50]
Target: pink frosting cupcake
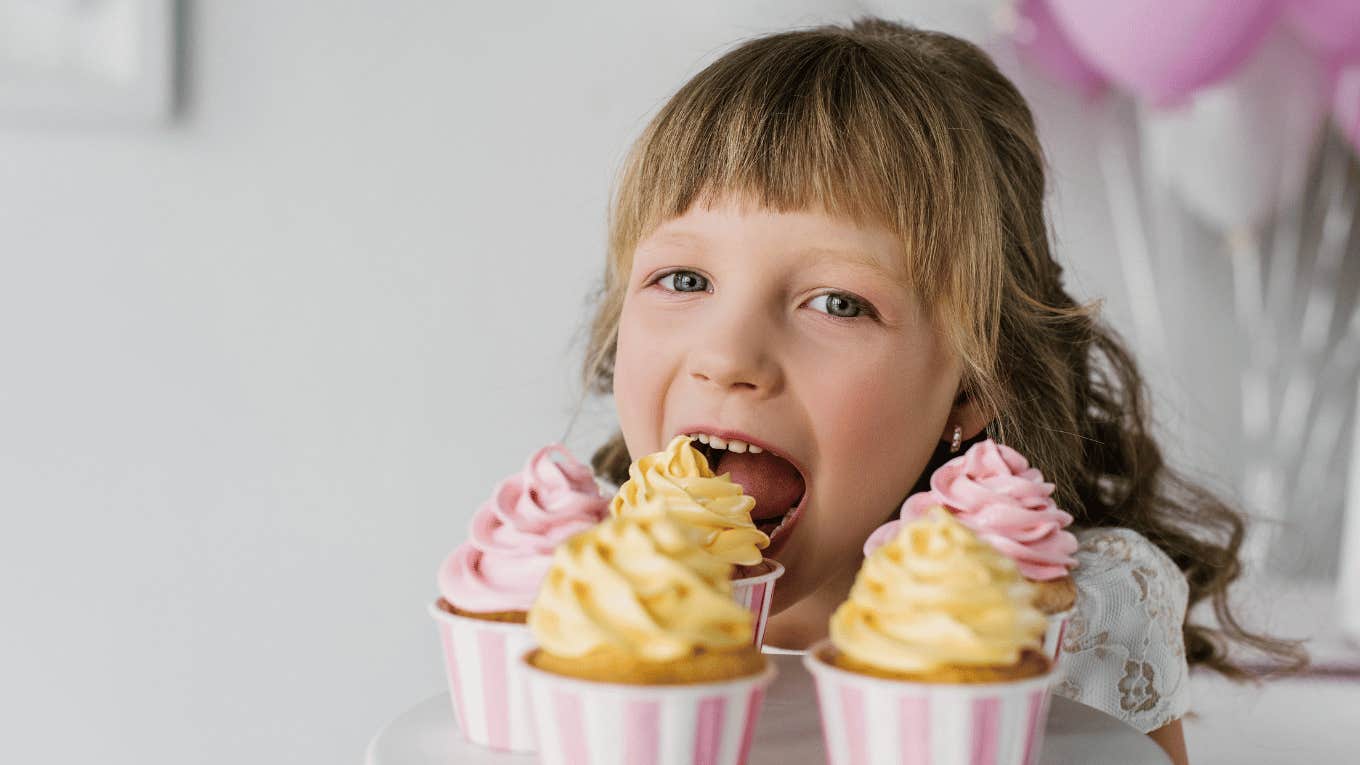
[497, 571]
[993, 490]
[488, 583]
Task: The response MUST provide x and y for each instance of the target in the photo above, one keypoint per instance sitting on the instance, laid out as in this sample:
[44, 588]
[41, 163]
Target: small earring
[958, 440]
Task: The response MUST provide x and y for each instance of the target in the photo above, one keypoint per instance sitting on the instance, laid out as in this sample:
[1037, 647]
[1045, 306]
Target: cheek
[885, 417]
[878, 439]
[638, 385]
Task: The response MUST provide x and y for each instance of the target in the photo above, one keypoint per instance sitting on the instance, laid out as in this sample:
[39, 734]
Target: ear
[965, 414]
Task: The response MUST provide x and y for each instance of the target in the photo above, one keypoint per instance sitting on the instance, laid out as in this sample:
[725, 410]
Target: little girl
[828, 255]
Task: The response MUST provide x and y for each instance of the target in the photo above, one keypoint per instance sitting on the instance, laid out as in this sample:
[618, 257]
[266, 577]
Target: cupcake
[642, 654]
[488, 583]
[994, 491]
[936, 657]
[679, 482]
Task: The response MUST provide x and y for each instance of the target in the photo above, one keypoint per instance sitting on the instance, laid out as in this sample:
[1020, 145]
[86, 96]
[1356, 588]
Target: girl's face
[797, 332]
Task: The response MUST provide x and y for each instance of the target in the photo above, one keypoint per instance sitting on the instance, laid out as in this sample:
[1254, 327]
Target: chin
[783, 598]
[790, 588]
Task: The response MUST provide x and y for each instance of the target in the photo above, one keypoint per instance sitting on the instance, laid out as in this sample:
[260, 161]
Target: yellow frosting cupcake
[678, 482]
[937, 604]
[638, 600]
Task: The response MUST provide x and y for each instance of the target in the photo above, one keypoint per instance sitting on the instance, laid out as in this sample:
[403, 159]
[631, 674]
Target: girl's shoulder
[1112, 552]
[1124, 651]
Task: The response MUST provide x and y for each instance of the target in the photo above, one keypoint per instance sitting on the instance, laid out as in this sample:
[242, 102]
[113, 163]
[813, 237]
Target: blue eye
[684, 281]
[840, 305]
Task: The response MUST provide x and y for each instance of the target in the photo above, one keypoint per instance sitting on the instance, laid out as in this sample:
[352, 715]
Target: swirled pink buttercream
[513, 534]
[993, 490]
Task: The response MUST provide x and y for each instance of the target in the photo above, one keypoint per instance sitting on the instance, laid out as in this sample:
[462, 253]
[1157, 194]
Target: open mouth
[778, 486]
[780, 532]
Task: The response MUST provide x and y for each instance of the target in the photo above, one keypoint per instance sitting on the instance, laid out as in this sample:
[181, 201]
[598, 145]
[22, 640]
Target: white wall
[260, 365]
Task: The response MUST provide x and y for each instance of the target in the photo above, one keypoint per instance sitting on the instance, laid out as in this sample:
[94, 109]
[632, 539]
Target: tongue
[773, 481]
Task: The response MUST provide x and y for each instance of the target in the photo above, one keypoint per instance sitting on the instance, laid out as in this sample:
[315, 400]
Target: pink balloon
[1331, 27]
[1040, 40]
[1164, 50]
[1237, 152]
[1346, 104]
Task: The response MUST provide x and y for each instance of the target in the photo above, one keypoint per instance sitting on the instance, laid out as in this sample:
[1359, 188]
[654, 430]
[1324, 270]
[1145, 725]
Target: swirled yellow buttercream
[642, 586]
[936, 596]
[679, 482]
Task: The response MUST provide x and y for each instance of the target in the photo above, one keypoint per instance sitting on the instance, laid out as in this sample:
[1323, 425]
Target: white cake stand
[788, 732]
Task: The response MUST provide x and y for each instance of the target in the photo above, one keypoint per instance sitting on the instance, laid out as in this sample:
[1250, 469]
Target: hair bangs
[801, 121]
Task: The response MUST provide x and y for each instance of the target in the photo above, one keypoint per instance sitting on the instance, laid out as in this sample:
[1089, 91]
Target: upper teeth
[730, 444]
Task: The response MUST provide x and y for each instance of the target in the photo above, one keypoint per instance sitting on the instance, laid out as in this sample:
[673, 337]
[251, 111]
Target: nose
[737, 356]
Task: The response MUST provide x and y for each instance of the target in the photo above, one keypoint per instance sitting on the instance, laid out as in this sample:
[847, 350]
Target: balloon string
[1334, 396]
[1321, 306]
[1321, 389]
[1131, 241]
[1319, 309]
[1286, 244]
[1244, 255]
[1262, 485]
[1282, 278]
[1343, 362]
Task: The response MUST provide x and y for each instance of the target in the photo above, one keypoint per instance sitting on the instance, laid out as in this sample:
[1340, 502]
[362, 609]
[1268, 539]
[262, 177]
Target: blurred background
[286, 287]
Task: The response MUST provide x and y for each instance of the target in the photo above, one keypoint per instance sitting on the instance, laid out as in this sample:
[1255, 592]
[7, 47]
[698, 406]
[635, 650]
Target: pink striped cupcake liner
[486, 680]
[580, 722]
[754, 594]
[877, 721]
[1053, 636]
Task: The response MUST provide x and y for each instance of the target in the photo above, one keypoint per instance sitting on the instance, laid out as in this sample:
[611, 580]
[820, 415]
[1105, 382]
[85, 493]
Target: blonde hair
[919, 132]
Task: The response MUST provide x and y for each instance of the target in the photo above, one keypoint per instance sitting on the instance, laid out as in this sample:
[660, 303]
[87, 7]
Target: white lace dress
[1123, 652]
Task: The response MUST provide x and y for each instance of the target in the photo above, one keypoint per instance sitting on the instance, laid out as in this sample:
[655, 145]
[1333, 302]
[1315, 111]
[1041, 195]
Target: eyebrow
[855, 257]
[673, 237]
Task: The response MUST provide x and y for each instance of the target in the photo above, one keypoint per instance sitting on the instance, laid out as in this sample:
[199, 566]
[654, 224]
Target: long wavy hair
[918, 131]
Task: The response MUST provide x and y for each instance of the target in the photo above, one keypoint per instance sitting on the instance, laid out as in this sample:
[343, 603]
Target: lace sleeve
[1123, 652]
